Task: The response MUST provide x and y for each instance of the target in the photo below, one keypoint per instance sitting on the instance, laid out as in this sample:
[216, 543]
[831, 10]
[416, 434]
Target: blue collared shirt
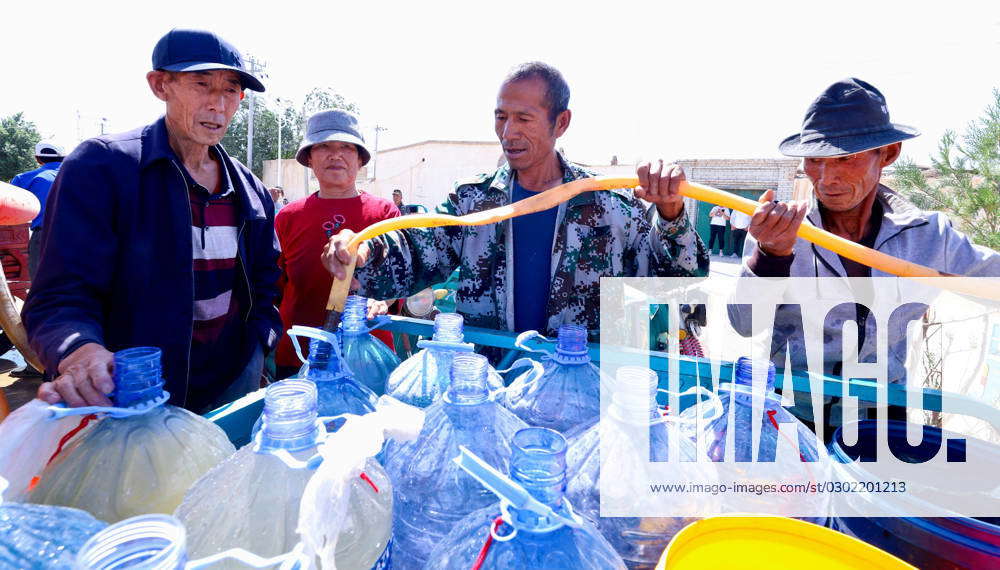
[38, 182]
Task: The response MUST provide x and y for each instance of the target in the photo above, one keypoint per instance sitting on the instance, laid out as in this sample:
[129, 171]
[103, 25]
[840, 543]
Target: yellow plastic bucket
[770, 543]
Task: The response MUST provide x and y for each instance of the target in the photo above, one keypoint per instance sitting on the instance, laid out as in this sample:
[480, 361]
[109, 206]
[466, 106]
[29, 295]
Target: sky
[669, 80]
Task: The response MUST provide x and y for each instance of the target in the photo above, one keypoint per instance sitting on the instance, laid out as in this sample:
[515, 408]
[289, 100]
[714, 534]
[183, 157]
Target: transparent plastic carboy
[422, 378]
[367, 357]
[534, 525]
[338, 392]
[40, 536]
[141, 457]
[159, 542]
[432, 493]
[801, 457]
[567, 395]
[639, 540]
[264, 482]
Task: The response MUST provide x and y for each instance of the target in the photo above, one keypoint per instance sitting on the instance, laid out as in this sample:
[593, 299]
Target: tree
[322, 99]
[18, 138]
[966, 181]
[265, 126]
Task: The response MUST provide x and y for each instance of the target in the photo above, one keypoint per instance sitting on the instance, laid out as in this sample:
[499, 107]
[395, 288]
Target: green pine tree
[965, 183]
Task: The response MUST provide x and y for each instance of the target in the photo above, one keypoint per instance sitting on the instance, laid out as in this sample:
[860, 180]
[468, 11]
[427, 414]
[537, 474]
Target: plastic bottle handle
[299, 331]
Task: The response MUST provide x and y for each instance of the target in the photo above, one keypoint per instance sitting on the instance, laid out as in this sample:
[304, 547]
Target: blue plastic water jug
[567, 395]
[338, 392]
[367, 357]
[423, 378]
[39, 536]
[639, 540]
[159, 542]
[812, 461]
[432, 493]
[534, 525]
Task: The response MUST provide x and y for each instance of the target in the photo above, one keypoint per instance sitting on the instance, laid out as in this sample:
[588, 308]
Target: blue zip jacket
[116, 264]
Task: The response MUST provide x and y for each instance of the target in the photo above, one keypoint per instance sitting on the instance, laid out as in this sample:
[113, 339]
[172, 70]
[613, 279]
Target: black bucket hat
[850, 116]
[200, 50]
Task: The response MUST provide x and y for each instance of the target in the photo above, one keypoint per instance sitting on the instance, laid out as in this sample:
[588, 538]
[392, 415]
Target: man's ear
[890, 153]
[562, 123]
[156, 79]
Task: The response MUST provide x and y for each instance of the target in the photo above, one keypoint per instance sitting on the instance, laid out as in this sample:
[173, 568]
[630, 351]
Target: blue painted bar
[237, 418]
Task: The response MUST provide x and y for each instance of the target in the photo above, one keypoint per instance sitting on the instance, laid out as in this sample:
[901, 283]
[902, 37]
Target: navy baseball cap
[201, 50]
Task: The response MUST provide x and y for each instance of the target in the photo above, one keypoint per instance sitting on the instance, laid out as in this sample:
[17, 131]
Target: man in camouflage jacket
[598, 234]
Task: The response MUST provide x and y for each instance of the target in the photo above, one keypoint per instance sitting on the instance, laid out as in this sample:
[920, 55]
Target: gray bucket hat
[333, 125]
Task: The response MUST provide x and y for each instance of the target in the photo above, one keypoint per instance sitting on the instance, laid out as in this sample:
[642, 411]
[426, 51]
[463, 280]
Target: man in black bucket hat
[846, 140]
[157, 237]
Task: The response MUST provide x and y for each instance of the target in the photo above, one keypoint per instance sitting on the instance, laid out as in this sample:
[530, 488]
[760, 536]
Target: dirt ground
[19, 391]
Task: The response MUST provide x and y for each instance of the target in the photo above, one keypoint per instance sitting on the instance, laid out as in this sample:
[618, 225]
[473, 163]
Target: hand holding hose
[661, 185]
[775, 225]
[337, 255]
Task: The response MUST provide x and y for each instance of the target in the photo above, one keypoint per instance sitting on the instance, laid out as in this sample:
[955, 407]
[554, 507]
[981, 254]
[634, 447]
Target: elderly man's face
[335, 164]
[842, 183]
[522, 124]
[200, 104]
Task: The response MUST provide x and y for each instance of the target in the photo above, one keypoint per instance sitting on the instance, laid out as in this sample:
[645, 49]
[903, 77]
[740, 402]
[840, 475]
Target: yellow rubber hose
[559, 194]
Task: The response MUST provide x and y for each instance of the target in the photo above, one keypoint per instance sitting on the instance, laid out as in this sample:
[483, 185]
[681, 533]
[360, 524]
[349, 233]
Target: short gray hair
[556, 88]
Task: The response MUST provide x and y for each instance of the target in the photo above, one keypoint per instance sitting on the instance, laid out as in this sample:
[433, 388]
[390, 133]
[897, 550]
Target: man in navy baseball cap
[160, 238]
[200, 50]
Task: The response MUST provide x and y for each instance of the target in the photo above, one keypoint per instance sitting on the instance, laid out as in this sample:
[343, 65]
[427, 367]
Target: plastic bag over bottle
[141, 456]
[324, 520]
[534, 525]
[265, 480]
[423, 378]
[432, 493]
[29, 439]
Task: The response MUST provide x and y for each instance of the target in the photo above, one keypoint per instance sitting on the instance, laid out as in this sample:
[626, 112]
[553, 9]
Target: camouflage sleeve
[406, 261]
[675, 248]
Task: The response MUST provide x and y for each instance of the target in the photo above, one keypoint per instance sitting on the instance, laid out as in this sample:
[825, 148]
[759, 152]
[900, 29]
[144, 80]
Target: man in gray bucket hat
[846, 140]
[335, 150]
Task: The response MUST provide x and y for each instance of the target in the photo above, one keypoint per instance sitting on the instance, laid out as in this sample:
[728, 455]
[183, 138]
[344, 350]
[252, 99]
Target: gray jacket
[927, 238]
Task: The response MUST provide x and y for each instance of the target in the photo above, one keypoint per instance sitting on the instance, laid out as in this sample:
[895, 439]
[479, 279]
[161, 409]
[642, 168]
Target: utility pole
[278, 112]
[255, 67]
[378, 129]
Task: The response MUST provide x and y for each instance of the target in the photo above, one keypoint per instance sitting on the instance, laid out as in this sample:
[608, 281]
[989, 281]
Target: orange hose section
[555, 196]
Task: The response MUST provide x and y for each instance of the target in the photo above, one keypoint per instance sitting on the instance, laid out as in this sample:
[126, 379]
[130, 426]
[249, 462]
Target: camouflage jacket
[598, 234]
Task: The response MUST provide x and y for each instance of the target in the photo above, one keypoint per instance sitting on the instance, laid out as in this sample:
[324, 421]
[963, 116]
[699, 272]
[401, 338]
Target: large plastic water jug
[762, 458]
[264, 481]
[40, 536]
[567, 395]
[432, 493]
[142, 457]
[338, 391]
[422, 378]
[533, 525]
[367, 357]
[639, 540]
